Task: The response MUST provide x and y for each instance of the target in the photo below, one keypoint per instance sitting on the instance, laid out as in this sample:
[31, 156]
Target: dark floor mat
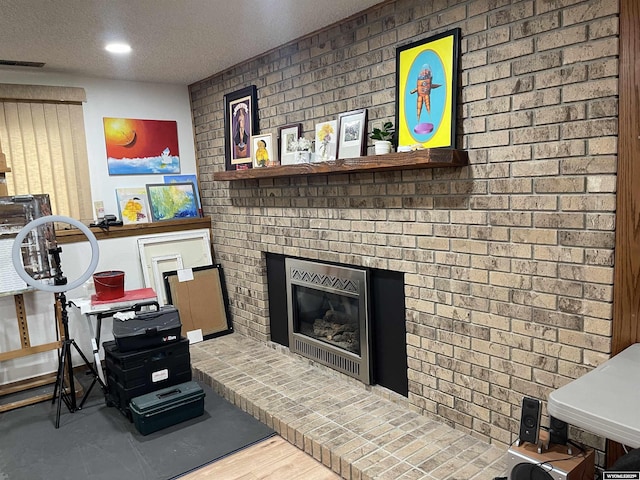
[98, 442]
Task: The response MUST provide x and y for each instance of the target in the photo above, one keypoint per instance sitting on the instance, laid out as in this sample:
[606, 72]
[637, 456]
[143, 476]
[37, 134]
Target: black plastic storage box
[147, 328]
[131, 374]
[168, 406]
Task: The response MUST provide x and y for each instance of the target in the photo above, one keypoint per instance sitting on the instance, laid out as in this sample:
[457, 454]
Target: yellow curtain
[45, 147]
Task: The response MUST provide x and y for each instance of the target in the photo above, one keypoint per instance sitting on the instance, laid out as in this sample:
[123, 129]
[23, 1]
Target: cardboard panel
[201, 301]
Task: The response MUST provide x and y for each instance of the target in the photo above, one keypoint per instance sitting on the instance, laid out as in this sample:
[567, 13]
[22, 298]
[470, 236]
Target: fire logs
[338, 328]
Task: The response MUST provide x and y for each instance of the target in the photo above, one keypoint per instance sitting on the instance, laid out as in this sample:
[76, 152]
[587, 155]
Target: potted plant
[382, 138]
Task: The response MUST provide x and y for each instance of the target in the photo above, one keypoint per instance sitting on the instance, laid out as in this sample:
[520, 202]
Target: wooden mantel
[430, 158]
[73, 235]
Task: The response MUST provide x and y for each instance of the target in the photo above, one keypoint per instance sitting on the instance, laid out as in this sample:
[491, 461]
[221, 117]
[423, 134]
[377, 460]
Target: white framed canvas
[133, 205]
[172, 251]
[326, 141]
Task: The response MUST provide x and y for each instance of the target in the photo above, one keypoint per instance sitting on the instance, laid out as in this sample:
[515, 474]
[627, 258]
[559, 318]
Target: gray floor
[359, 433]
[98, 442]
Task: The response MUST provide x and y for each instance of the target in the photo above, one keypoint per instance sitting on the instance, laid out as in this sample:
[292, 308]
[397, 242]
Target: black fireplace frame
[389, 332]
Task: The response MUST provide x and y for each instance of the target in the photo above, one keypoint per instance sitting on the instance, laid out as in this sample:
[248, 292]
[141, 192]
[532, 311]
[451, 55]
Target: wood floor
[273, 458]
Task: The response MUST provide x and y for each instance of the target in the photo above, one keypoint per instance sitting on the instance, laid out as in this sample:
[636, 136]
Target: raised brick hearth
[359, 432]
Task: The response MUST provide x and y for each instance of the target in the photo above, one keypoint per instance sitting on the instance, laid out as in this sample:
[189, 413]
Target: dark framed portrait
[240, 124]
[426, 91]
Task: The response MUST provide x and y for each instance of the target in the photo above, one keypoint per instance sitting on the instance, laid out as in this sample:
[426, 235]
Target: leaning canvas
[133, 205]
[171, 201]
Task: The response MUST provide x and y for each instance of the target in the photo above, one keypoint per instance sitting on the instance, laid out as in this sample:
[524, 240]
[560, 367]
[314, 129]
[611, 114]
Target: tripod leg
[60, 382]
[72, 386]
[58, 375]
[96, 377]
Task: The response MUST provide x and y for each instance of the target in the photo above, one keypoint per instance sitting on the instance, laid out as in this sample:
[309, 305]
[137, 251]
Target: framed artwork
[171, 201]
[141, 147]
[262, 148]
[172, 251]
[426, 91]
[184, 179]
[133, 205]
[326, 140]
[352, 134]
[286, 136]
[240, 124]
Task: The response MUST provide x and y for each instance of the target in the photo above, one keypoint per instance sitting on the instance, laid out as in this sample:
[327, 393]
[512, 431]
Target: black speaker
[558, 431]
[530, 420]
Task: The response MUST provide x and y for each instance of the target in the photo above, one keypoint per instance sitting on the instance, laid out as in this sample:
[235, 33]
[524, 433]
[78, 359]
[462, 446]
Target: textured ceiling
[173, 41]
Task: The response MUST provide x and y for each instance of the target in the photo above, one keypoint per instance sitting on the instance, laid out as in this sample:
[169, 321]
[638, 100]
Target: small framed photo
[172, 201]
[287, 135]
[326, 141]
[352, 134]
[262, 151]
[240, 124]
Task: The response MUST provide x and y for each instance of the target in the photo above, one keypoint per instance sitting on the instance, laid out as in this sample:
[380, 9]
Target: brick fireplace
[507, 263]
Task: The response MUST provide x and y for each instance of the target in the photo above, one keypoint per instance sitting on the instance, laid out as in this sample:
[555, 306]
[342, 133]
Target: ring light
[17, 257]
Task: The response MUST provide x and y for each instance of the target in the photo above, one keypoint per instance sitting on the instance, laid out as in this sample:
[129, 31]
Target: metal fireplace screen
[329, 315]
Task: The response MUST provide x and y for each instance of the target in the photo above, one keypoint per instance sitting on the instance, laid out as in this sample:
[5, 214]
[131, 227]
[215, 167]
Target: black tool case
[131, 374]
[168, 406]
[147, 328]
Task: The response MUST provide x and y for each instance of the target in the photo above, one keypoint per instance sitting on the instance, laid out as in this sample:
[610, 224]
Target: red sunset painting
[136, 147]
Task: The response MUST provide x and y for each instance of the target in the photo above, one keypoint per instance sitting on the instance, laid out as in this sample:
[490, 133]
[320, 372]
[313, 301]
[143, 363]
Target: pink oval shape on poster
[423, 128]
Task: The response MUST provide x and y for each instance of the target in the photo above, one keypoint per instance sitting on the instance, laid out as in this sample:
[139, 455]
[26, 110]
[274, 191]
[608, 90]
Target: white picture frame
[326, 141]
[171, 251]
[262, 151]
[160, 265]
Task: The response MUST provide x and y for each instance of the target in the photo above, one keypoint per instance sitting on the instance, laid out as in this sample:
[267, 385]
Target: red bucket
[109, 285]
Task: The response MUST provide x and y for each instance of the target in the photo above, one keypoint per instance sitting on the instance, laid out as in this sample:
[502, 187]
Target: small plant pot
[382, 147]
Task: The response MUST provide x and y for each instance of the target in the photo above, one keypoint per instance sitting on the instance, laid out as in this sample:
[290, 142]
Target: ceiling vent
[18, 63]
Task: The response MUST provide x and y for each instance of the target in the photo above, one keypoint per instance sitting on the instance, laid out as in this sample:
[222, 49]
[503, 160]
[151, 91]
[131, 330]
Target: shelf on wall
[430, 158]
[73, 235]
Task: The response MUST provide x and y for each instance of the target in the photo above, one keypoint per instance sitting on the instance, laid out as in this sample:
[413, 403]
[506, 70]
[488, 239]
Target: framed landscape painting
[172, 201]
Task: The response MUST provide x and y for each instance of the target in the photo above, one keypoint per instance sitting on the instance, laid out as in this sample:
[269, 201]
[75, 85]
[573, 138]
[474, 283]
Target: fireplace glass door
[329, 315]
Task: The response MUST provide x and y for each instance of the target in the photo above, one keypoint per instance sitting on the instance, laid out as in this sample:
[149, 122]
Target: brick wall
[508, 262]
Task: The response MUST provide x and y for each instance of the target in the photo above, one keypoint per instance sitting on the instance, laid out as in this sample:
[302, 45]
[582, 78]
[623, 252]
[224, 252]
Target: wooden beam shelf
[73, 235]
[430, 158]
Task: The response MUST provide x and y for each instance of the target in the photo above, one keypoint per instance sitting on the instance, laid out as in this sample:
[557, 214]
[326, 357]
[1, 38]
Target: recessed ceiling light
[118, 48]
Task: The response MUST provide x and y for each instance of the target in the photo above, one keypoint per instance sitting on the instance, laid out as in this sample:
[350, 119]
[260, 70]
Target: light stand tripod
[65, 362]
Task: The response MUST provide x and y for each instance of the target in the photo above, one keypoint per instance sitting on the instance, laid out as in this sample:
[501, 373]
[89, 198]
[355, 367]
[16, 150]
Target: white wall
[111, 98]
[105, 98]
